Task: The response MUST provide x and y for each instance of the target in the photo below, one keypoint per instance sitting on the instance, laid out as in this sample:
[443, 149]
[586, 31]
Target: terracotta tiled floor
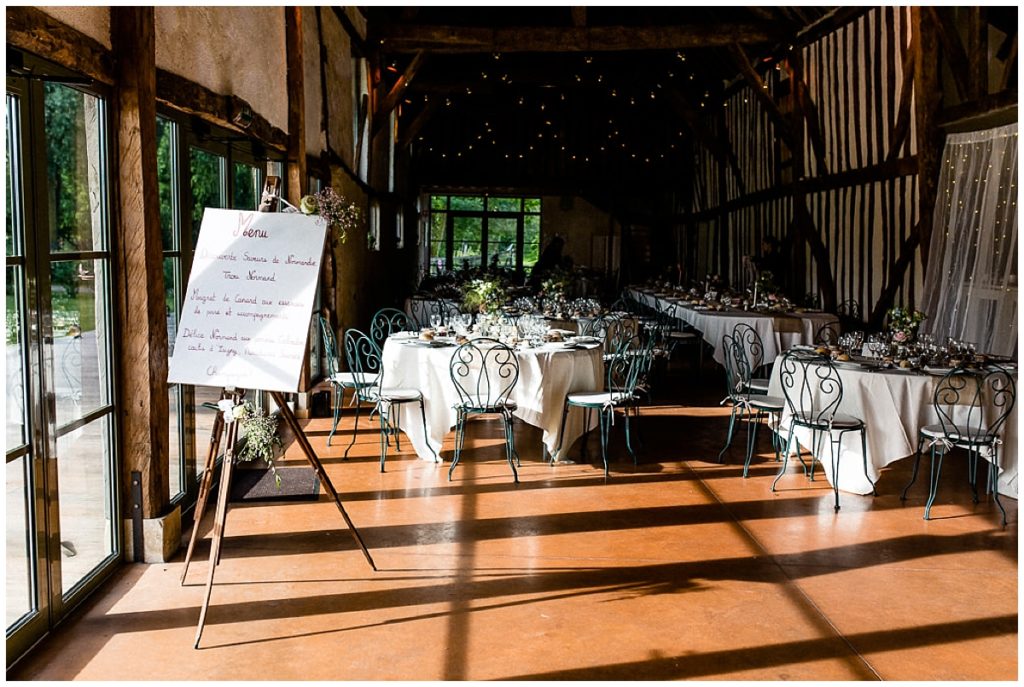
[677, 569]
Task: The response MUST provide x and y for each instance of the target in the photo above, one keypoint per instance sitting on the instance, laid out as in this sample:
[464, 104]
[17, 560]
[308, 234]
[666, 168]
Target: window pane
[501, 242]
[15, 361]
[207, 180]
[80, 343]
[437, 225]
[204, 418]
[166, 176]
[531, 204]
[13, 170]
[20, 595]
[531, 240]
[74, 152]
[87, 516]
[467, 203]
[175, 482]
[171, 300]
[439, 202]
[503, 204]
[438, 258]
[246, 179]
[467, 235]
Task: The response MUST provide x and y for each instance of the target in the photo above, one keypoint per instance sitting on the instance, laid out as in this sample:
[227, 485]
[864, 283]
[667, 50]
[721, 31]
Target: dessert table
[546, 375]
[894, 405]
[778, 331]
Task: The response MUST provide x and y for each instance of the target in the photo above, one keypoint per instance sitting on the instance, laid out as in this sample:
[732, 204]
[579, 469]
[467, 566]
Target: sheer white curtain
[971, 286]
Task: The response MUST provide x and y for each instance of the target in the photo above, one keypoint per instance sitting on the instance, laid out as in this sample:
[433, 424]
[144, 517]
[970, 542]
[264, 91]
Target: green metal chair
[972, 407]
[485, 372]
[744, 399]
[340, 381]
[622, 373]
[388, 321]
[364, 359]
[753, 347]
[813, 391]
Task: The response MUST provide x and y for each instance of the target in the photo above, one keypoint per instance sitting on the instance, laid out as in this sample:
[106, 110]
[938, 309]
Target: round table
[894, 405]
[546, 375]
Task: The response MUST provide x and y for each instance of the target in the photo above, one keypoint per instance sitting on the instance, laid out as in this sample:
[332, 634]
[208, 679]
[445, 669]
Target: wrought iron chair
[438, 308]
[972, 407]
[622, 373]
[753, 347]
[340, 381]
[814, 391]
[364, 360]
[827, 334]
[742, 398]
[485, 372]
[386, 322]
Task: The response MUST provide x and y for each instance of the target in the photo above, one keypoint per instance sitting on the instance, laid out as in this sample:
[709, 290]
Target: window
[195, 170]
[467, 232]
[360, 118]
[373, 235]
[400, 227]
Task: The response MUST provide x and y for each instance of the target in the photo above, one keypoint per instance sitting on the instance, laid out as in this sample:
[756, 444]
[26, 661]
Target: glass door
[62, 520]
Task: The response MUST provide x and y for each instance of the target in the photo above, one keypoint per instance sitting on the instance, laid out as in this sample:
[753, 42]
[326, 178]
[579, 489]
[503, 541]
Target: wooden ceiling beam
[471, 39]
[411, 131]
[761, 93]
[397, 91]
[953, 50]
[579, 16]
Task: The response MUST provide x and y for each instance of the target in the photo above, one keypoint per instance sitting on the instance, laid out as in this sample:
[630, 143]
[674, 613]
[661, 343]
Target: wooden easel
[230, 429]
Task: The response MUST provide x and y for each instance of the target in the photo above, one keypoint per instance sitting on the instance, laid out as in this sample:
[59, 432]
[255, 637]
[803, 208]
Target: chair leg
[933, 486]
[629, 443]
[383, 435]
[426, 438]
[561, 432]
[339, 394]
[512, 439]
[510, 450]
[355, 429]
[460, 433]
[396, 423]
[972, 471]
[815, 451]
[785, 457]
[751, 442]
[605, 428]
[994, 481]
[864, 454]
[917, 463]
[728, 437]
[835, 447]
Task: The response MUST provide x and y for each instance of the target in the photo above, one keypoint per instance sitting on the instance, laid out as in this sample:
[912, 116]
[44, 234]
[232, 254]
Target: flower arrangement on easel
[261, 436]
[340, 214]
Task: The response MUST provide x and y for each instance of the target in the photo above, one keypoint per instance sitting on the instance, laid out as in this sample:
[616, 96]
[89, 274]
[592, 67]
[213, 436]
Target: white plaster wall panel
[92, 21]
[339, 87]
[315, 139]
[577, 223]
[230, 50]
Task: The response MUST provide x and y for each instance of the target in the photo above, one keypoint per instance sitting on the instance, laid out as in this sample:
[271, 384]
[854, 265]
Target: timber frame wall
[836, 150]
[368, 276]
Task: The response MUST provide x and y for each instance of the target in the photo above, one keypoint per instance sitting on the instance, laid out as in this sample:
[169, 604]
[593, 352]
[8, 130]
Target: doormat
[297, 484]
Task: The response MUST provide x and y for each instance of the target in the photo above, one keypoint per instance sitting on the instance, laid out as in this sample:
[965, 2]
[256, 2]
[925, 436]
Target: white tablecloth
[546, 375]
[894, 406]
[713, 324]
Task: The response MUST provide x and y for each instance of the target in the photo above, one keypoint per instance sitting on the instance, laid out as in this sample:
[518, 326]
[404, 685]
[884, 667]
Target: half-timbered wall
[862, 201]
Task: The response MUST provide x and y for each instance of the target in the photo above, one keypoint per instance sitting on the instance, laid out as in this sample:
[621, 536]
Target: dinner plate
[847, 365]
[399, 336]
[940, 371]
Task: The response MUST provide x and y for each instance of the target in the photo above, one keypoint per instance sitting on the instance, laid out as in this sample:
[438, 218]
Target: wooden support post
[140, 286]
[297, 177]
[927, 101]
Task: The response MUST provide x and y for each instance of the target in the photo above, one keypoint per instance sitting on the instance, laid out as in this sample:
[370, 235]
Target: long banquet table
[894, 406]
[546, 375]
[778, 332]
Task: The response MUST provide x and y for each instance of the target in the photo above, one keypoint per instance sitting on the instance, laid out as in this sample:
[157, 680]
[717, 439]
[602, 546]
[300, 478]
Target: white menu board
[245, 319]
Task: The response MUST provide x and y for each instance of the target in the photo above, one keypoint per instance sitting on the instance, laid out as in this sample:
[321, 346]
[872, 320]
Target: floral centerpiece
[903, 323]
[340, 214]
[483, 295]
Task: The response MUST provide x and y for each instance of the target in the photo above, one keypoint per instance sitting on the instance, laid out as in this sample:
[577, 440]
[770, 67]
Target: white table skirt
[713, 324]
[893, 406]
[546, 375]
